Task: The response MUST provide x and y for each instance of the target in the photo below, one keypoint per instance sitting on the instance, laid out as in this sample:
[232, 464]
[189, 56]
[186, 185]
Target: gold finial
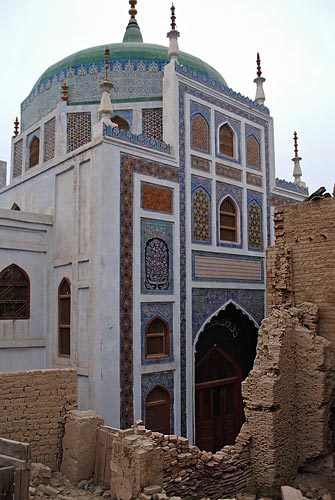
[16, 127]
[173, 18]
[258, 61]
[64, 95]
[295, 139]
[106, 59]
[132, 11]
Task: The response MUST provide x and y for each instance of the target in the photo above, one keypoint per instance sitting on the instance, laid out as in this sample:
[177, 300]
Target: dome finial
[297, 172]
[173, 35]
[133, 33]
[132, 11]
[260, 96]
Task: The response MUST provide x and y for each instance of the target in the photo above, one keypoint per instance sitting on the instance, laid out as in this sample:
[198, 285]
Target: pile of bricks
[191, 473]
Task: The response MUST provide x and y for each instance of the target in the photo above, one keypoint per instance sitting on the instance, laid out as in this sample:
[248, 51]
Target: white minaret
[173, 35]
[297, 172]
[260, 96]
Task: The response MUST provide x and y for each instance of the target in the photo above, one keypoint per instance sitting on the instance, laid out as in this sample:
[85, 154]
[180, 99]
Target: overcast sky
[295, 38]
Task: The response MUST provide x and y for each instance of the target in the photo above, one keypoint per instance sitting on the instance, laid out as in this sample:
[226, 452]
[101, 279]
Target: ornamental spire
[260, 96]
[16, 127]
[133, 33]
[297, 172]
[132, 11]
[173, 35]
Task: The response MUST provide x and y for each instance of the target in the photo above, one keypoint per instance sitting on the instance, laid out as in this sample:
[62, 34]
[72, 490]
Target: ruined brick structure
[33, 409]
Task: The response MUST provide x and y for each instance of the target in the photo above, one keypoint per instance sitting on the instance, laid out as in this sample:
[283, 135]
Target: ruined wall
[139, 458]
[288, 396]
[300, 265]
[33, 407]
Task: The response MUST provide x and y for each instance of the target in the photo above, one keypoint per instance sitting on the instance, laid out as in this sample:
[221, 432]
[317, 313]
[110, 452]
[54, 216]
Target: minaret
[173, 35]
[133, 32]
[297, 172]
[260, 96]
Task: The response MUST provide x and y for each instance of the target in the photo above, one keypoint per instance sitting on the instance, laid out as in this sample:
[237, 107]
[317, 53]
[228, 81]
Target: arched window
[201, 215]
[157, 410]
[14, 293]
[34, 151]
[15, 206]
[64, 318]
[226, 140]
[228, 220]
[157, 339]
[253, 155]
[199, 133]
[120, 122]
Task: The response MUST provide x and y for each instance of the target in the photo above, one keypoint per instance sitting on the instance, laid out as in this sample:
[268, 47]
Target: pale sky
[296, 41]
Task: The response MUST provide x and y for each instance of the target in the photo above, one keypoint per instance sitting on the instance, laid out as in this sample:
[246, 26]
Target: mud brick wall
[33, 408]
[288, 396]
[300, 267]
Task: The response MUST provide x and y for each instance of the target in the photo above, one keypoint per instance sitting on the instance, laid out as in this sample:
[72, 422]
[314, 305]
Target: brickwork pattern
[254, 225]
[156, 198]
[201, 216]
[78, 130]
[252, 150]
[305, 234]
[33, 408]
[49, 139]
[199, 133]
[254, 180]
[18, 157]
[152, 123]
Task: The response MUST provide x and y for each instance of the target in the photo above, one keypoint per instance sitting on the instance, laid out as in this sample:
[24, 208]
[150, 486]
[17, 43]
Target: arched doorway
[225, 352]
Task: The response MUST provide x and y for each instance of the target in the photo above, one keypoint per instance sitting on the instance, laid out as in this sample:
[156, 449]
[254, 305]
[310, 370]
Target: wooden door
[218, 400]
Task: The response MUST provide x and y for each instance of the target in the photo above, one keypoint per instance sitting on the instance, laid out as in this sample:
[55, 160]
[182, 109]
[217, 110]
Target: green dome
[130, 51]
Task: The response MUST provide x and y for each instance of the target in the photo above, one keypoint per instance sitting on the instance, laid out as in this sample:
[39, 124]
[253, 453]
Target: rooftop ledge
[290, 186]
[138, 139]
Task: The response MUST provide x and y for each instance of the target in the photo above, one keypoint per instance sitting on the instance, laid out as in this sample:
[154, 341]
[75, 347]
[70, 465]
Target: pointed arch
[157, 410]
[227, 140]
[15, 206]
[253, 151]
[199, 133]
[228, 220]
[157, 338]
[34, 151]
[201, 210]
[120, 122]
[14, 293]
[64, 318]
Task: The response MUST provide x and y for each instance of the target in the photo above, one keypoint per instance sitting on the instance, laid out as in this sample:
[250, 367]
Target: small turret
[297, 172]
[260, 96]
